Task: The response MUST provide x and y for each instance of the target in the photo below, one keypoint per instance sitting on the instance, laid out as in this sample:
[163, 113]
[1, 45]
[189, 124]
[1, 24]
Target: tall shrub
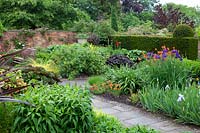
[114, 24]
[183, 30]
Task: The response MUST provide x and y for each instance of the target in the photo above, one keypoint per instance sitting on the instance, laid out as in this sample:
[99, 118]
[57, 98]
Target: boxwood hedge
[188, 47]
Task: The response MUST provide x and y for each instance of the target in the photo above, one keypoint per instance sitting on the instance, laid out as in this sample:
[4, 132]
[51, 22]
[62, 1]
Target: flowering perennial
[163, 54]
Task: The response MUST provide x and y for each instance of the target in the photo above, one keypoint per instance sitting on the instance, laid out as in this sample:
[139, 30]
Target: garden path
[130, 115]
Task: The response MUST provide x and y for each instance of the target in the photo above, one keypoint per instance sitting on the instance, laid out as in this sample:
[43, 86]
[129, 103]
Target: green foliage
[134, 98]
[171, 102]
[39, 74]
[129, 20]
[142, 29]
[183, 30]
[6, 117]
[57, 109]
[107, 124]
[96, 80]
[2, 29]
[35, 13]
[129, 79]
[198, 31]
[103, 29]
[136, 55]
[114, 24]
[194, 66]
[188, 46]
[14, 80]
[83, 26]
[74, 60]
[171, 72]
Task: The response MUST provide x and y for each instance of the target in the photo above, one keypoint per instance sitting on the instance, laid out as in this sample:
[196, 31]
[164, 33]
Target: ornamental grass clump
[166, 68]
[182, 103]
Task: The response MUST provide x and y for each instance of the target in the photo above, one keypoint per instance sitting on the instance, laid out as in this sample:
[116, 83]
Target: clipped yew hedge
[188, 47]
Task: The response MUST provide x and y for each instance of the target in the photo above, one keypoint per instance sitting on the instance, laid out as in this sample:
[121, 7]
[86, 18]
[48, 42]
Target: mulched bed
[121, 99]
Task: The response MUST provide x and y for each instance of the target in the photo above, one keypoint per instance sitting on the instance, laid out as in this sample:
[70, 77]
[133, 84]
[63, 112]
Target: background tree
[138, 5]
[114, 24]
[36, 13]
[165, 17]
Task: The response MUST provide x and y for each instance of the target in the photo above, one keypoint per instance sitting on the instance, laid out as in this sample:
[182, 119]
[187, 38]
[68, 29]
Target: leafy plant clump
[75, 60]
[107, 124]
[57, 109]
[137, 55]
[96, 80]
[93, 39]
[171, 72]
[177, 102]
[6, 117]
[119, 60]
[183, 30]
[129, 79]
[39, 74]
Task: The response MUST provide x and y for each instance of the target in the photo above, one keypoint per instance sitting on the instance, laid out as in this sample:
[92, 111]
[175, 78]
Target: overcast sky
[193, 3]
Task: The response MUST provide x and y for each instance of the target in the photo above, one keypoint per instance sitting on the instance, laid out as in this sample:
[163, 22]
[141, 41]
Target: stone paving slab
[130, 115]
[135, 116]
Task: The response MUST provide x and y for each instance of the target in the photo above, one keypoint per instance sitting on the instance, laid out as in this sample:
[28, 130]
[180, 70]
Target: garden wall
[35, 38]
[188, 47]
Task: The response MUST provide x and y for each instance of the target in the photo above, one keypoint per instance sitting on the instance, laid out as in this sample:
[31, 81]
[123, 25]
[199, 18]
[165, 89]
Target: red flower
[117, 44]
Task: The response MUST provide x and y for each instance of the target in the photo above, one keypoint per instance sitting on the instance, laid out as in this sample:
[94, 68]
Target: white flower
[180, 98]
[167, 87]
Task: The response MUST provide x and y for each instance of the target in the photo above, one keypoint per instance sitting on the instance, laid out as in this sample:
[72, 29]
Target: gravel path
[130, 115]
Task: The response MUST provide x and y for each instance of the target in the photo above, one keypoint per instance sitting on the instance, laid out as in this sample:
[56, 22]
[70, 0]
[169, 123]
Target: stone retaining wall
[35, 38]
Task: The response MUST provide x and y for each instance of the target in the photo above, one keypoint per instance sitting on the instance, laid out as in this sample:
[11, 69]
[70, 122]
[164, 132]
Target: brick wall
[35, 38]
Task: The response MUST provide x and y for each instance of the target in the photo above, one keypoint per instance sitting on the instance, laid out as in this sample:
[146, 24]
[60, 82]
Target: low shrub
[119, 60]
[129, 79]
[57, 109]
[136, 55]
[194, 66]
[107, 124]
[96, 80]
[134, 98]
[183, 30]
[39, 74]
[75, 60]
[177, 102]
[187, 46]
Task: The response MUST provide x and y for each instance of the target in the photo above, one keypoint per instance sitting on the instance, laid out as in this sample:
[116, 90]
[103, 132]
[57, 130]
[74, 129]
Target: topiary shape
[183, 30]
